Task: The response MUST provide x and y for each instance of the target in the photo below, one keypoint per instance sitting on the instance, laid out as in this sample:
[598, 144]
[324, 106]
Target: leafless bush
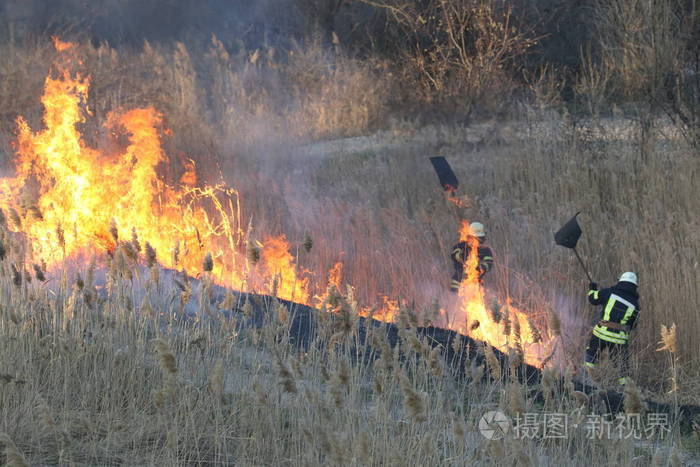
[460, 53]
[652, 50]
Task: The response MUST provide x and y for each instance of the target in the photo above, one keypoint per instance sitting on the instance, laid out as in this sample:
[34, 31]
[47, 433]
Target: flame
[471, 264]
[502, 325]
[387, 311]
[335, 275]
[189, 177]
[60, 45]
[462, 201]
[72, 199]
[279, 263]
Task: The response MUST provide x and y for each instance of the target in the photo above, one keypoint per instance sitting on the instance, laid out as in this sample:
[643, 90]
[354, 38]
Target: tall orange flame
[280, 266]
[73, 199]
[335, 275]
[500, 324]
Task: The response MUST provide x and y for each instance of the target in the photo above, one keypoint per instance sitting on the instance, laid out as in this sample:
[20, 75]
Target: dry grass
[119, 380]
[524, 185]
[111, 386]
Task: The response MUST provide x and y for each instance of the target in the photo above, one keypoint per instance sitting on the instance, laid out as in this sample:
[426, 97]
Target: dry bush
[335, 96]
[460, 54]
[23, 69]
[651, 50]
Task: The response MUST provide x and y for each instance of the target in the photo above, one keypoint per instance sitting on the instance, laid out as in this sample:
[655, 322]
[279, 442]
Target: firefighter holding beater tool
[620, 309]
[620, 306]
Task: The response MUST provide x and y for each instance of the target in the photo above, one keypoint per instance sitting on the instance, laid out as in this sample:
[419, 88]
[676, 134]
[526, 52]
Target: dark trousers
[618, 353]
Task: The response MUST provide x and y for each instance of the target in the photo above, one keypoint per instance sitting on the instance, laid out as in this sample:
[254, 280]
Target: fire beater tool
[447, 177]
[568, 237]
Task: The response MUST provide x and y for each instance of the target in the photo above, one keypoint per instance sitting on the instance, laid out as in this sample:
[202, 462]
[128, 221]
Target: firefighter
[460, 255]
[619, 316]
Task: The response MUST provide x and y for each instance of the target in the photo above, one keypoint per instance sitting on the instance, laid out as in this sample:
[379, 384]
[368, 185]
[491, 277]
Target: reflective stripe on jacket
[620, 305]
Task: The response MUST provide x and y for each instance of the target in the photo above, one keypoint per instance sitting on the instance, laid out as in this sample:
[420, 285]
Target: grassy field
[94, 377]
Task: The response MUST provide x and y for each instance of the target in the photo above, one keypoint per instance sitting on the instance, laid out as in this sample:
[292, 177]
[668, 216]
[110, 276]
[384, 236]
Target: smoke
[237, 23]
[575, 327]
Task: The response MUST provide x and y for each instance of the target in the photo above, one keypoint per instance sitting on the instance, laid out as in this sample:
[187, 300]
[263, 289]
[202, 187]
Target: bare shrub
[460, 53]
[652, 50]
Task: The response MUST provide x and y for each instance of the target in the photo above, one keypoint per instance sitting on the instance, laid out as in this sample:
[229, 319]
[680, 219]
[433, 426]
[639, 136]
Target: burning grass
[88, 375]
[69, 201]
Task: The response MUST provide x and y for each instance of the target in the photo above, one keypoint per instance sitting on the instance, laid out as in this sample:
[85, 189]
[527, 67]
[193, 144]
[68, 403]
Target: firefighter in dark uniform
[460, 255]
[619, 315]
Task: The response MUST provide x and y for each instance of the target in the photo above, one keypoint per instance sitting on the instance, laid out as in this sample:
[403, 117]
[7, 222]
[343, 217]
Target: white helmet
[629, 277]
[477, 229]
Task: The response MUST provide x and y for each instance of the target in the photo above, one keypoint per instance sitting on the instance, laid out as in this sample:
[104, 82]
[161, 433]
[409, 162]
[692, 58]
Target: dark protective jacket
[619, 313]
[460, 254]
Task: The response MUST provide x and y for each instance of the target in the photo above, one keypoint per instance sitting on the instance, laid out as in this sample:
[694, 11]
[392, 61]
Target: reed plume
[413, 401]
[16, 219]
[308, 243]
[13, 457]
[135, 240]
[581, 398]
[113, 230]
[208, 263]
[16, 276]
[61, 237]
[228, 301]
[493, 363]
[633, 403]
[39, 273]
[46, 419]
[165, 356]
[216, 379]
[554, 323]
[151, 256]
[253, 253]
[285, 377]
[435, 362]
[248, 310]
[668, 339]
[515, 400]
[175, 253]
